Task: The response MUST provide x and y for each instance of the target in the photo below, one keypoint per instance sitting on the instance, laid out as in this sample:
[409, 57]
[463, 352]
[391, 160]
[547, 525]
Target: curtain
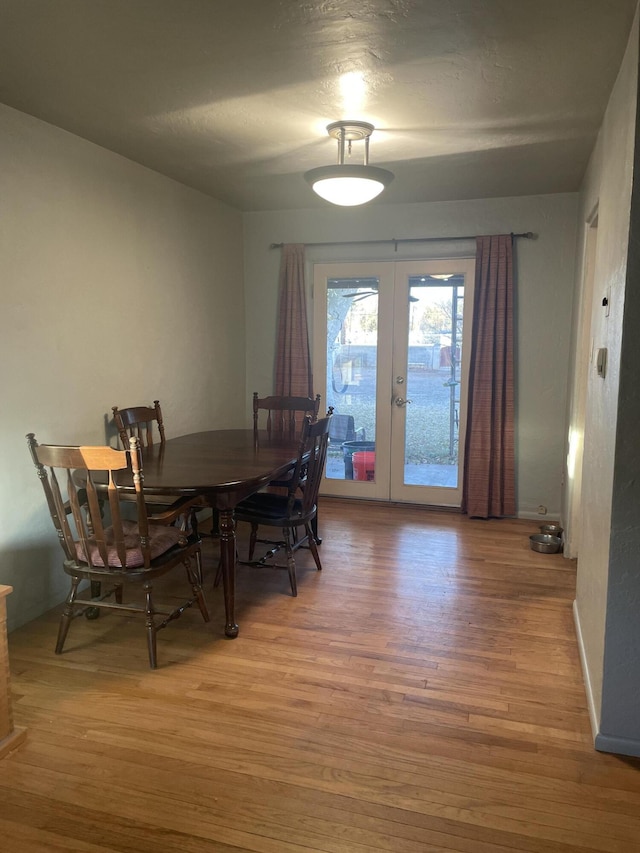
[293, 377]
[489, 461]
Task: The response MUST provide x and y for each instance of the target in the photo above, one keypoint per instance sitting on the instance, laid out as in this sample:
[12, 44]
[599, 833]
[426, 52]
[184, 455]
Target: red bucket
[364, 465]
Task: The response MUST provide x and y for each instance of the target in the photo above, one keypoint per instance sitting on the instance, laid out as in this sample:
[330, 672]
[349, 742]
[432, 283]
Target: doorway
[583, 358]
[391, 353]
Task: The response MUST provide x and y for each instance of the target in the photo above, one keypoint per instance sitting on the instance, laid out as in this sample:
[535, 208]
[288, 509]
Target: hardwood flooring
[422, 693]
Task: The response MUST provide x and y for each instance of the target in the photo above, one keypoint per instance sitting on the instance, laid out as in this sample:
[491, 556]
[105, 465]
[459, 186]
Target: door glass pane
[436, 305]
[352, 353]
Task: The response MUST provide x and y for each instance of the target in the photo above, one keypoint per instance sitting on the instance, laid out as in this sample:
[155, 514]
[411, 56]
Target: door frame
[392, 351]
[377, 489]
[399, 491]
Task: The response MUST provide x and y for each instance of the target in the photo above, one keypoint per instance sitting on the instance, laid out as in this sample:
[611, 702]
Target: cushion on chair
[268, 506]
[161, 539]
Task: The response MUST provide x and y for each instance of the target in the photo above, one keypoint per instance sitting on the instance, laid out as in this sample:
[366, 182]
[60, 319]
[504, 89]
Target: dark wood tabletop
[224, 466]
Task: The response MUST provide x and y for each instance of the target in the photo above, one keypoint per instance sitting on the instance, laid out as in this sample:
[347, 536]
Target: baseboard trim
[12, 741]
[593, 714]
[601, 742]
[531, 515]
[617, 745]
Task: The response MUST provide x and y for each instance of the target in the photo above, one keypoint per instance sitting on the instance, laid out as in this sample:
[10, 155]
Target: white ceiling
[470, 98]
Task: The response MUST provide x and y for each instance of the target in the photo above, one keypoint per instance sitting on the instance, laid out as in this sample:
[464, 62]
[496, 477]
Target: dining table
[222, 467]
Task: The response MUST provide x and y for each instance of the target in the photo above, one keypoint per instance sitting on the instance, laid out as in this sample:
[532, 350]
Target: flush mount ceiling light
[349, 184]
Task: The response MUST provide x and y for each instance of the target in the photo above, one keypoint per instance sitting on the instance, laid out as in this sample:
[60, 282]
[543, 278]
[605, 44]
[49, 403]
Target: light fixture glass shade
[348, 185]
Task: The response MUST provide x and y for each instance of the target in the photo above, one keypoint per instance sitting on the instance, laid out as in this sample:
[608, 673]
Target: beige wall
[119, 286]
[608, 186]
[545, 275]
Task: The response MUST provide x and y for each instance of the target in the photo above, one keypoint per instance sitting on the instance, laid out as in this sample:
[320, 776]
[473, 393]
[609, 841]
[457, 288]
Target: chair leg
[151, 627]
[96, 591]
[67, 615]
[195, 579]
[118, 593]
[312, 546]
[291, 563]
[252, 539]
[314, 527]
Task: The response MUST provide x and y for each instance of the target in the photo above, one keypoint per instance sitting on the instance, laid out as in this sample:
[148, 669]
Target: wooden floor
[422, 693]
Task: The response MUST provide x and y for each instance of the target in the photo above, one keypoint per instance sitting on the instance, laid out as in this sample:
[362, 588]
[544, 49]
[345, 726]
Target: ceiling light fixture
[347, 184]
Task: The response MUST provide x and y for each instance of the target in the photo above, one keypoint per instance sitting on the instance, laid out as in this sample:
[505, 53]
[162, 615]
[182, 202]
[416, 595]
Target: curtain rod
[527, 235]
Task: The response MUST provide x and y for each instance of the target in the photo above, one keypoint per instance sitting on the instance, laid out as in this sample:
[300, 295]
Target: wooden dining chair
[297, 509]
[126, 552]
[284, 414]
[142, 422]
[139, 421]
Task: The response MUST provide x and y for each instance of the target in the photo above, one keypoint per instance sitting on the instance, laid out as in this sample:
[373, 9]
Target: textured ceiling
[470, 98]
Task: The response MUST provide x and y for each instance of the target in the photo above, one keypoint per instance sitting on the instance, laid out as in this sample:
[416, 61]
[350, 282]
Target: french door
[391, 354]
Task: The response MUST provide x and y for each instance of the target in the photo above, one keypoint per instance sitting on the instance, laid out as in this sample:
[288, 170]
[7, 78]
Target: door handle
[400, 401]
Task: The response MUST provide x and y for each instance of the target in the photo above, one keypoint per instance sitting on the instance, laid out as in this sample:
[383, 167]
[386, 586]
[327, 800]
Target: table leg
[228, 561]
[314, 529]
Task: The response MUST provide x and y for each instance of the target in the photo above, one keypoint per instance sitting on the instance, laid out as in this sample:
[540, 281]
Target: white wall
[119, 286]
[599, 617]
[544, 281]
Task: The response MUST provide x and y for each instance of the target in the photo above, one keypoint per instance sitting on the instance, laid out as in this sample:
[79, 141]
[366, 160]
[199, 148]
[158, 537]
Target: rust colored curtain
[489, 461]
[293, 377]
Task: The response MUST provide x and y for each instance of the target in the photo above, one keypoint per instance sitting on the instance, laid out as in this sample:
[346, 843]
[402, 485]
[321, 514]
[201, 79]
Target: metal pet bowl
[551, 529]
[545, 543]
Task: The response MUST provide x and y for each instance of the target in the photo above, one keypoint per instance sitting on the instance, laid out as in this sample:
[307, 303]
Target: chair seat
[161, 539]
[275, 510]
[156, 500]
